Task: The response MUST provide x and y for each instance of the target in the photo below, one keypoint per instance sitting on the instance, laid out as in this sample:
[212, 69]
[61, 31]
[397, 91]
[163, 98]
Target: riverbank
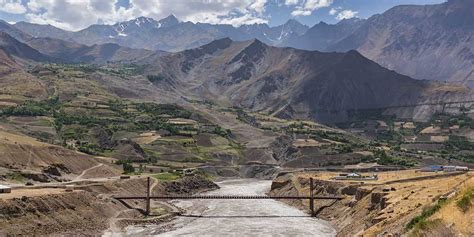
[372, 208]
[88, 210]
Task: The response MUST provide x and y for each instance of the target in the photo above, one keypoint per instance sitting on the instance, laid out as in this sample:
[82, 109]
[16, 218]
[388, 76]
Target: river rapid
[237, 217]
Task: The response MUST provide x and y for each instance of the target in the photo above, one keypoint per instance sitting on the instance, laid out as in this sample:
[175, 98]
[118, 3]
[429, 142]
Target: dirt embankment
[65, 213]
[368, 209]
[89, 211]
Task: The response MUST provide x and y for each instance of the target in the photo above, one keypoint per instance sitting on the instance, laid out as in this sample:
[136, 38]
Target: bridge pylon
[147, 211]
[311, 197]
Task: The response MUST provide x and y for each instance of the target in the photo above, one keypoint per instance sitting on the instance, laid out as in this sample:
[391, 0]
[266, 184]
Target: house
[5, 189]
[355, 176]
[382, 126]
[432, 168]
[449, 168]
[462, 168]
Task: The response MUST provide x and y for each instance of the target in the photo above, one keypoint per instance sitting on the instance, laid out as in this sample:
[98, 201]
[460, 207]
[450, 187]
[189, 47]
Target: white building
[462, 168]
[5, 189]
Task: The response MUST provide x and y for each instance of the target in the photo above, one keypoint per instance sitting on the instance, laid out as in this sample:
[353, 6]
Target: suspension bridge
[148, 197]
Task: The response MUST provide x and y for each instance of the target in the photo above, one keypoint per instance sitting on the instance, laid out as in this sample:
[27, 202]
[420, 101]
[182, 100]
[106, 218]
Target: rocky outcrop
[361, 208]
[129, 150]
[189, 185]
[283, 150]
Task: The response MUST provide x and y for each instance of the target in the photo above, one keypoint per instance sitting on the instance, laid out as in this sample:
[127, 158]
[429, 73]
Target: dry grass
[405, 199]
[454, 217]
[146, 138]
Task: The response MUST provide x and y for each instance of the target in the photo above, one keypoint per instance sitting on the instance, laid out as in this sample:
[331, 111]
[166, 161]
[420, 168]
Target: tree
[128, 168]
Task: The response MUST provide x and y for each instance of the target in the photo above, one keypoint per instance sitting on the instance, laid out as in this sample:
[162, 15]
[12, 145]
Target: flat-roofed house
[5, 189]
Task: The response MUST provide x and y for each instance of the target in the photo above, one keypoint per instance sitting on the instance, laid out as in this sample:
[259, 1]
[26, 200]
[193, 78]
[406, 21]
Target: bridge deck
[229, 197]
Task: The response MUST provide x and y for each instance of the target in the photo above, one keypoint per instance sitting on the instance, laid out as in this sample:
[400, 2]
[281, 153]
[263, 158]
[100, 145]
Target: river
[238, 217]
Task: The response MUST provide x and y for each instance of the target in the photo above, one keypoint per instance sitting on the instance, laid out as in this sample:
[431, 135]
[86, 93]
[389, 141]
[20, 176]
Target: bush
[427, 212]
[159, 109]
[91, 149]
[222, 132]
[33, 108]
[384, 159]
[466, 200]
[128, 168]
[155, 78]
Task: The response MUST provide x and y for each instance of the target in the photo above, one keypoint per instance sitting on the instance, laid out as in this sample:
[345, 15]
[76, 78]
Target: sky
[78, 14]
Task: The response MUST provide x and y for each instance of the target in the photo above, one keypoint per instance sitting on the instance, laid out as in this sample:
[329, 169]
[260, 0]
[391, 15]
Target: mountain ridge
[438, 37]
[290, 82]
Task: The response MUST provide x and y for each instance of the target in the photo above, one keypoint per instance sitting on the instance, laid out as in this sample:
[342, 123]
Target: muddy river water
[238, 217]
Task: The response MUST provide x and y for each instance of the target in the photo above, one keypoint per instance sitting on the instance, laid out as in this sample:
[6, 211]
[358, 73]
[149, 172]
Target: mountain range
[433, 42]
[324, 73]
[283, 81]
[168, 34]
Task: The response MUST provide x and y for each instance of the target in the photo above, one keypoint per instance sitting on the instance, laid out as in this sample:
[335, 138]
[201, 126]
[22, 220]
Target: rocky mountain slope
[323, 35]
[76, 53]
[13, 31]
[424, 42]
[289, 82]
[55, 50]
[19, 50]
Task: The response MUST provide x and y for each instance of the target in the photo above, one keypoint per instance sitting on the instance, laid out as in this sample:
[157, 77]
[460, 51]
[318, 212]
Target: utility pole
[311, 196]
[148, 196]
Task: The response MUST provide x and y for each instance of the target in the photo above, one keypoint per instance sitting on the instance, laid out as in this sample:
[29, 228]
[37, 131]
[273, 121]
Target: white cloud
[78, 14]
[346, 14]
[12, 6]
[245, 19]
[301, 12]
[291, 2]
[333, 11]
[258, 6]
[309, 6]
[316, 4]
[72, 14]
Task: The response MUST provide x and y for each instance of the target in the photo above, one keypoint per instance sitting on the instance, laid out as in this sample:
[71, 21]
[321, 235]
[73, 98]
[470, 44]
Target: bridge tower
[311, 197]
[147, 211]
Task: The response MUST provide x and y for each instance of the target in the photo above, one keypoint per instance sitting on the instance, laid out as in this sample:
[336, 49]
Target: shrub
[128, 168]
[466, 200]
[155, 78]
[384, 159]
[420, 220]
[222, 132]
[91, 149]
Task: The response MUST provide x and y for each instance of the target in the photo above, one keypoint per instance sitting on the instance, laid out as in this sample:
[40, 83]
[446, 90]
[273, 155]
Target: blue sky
[78, 14]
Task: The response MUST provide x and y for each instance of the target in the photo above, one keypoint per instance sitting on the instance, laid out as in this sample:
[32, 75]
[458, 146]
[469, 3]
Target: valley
[378, 111]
